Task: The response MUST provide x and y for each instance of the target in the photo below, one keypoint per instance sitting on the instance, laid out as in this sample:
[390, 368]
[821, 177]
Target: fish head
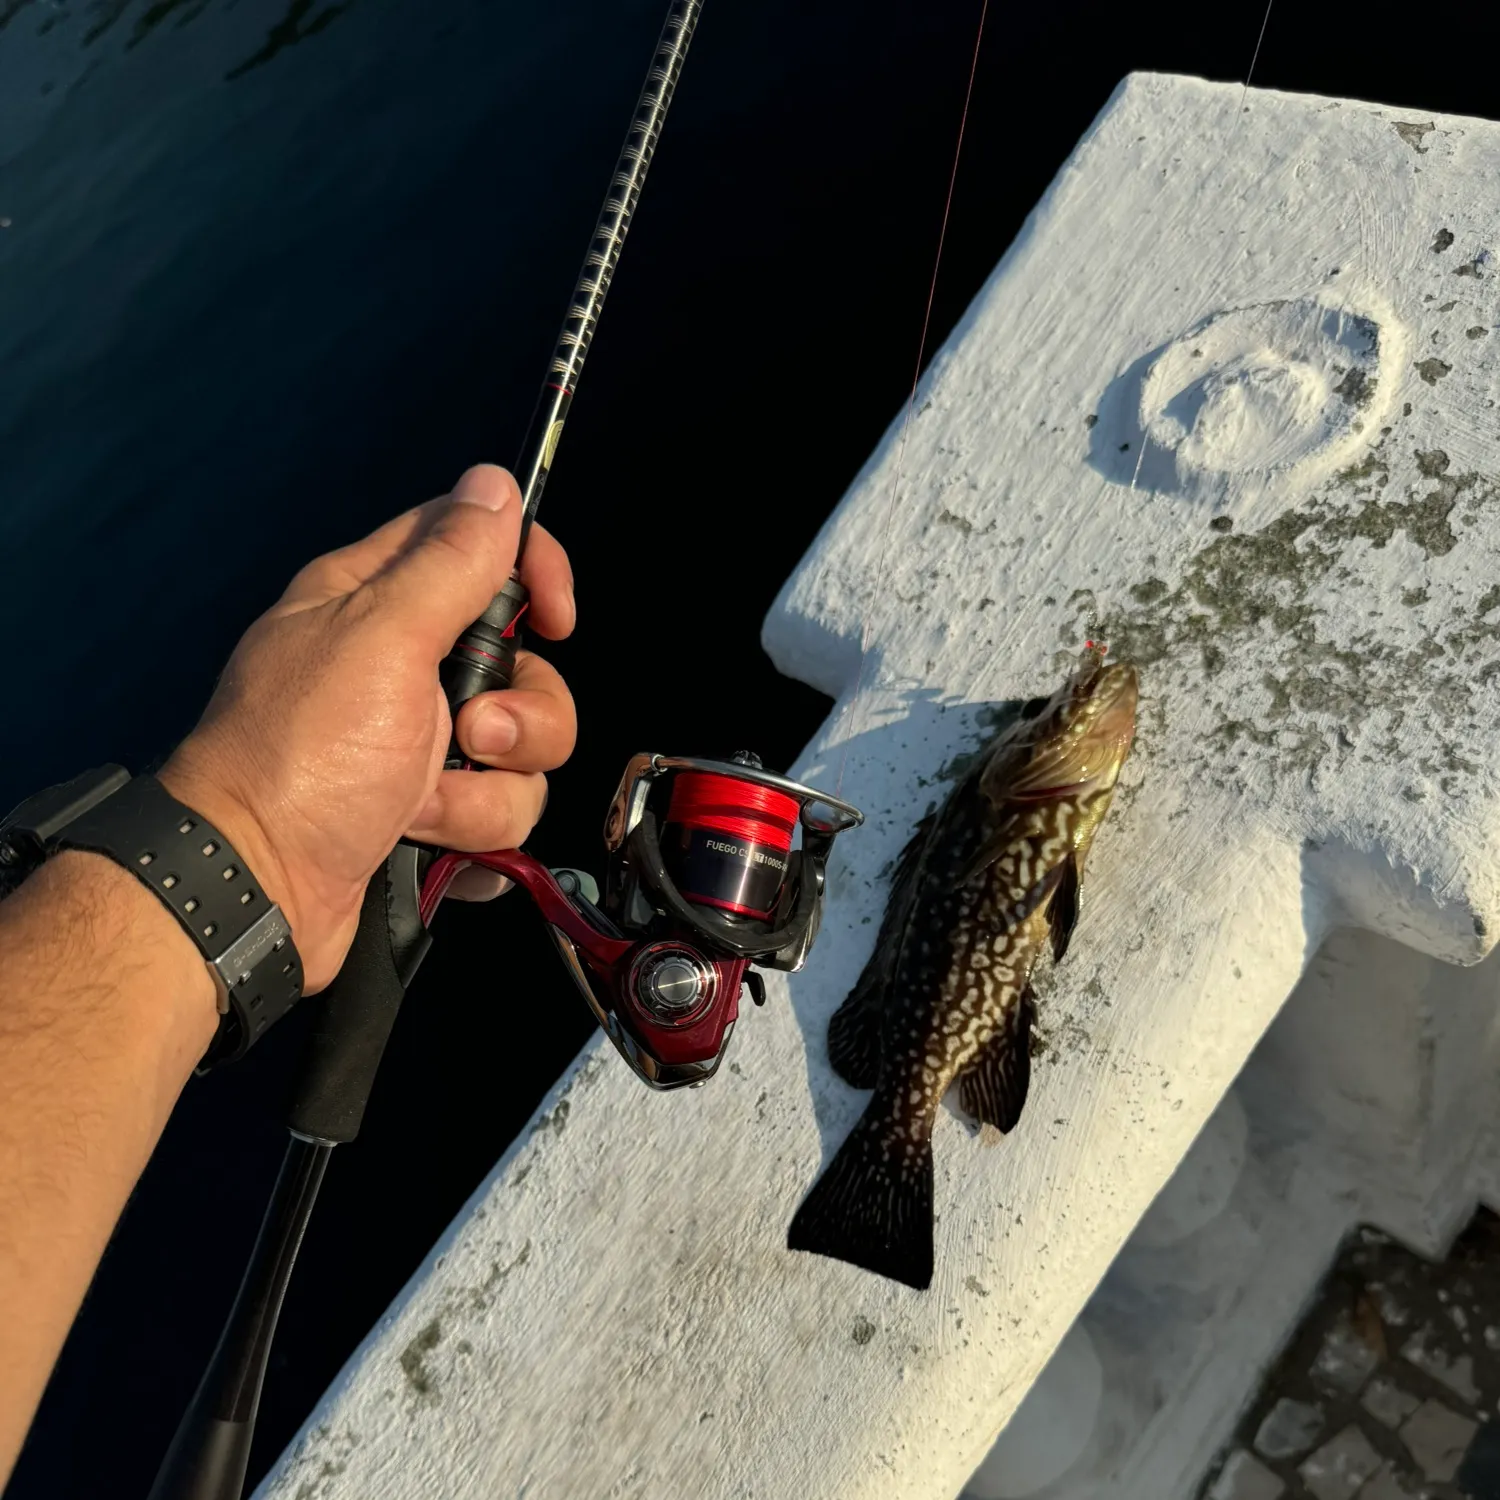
[1075, 743]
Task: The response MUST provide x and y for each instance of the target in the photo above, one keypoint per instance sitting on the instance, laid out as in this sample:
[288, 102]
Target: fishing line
[1265, 21]
[851, 712]
[890, 509]
[1234, 126]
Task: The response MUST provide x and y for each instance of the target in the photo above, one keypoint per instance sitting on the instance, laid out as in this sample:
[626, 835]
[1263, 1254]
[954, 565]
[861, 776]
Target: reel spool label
[732, 874]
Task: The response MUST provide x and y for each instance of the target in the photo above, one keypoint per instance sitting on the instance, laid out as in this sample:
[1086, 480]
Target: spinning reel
[701, 883]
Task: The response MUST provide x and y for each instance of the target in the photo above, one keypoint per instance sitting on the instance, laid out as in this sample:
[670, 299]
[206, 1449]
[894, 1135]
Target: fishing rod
[701, 883]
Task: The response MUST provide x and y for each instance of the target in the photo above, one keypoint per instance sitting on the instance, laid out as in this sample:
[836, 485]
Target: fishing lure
[987, 881]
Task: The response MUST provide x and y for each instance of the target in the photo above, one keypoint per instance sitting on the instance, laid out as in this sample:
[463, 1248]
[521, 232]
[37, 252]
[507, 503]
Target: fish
[987, 883]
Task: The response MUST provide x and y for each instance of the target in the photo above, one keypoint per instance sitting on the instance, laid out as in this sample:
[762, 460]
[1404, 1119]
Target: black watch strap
[192, 868]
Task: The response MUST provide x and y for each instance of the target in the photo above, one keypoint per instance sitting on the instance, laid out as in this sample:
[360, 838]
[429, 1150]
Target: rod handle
[207, 1461]
[211, 1449]
[484, 656]
[355, 1014]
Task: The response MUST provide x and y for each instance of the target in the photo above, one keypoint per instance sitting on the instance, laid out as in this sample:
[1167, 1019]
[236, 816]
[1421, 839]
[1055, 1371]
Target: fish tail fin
[872, 1207]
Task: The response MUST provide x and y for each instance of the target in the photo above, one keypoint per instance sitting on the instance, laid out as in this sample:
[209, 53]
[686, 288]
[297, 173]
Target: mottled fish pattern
[987, 881]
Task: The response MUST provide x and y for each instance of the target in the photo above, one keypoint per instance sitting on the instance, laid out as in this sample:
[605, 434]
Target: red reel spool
[725, 842]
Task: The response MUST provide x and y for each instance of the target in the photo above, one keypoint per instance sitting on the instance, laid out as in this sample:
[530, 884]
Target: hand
[324, 741]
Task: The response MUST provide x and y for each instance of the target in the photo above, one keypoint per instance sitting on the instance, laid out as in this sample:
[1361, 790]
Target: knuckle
[451, 552]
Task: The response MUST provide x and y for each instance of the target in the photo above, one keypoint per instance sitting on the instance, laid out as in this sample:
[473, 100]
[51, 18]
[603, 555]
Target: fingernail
[486, 486]
[494, 731]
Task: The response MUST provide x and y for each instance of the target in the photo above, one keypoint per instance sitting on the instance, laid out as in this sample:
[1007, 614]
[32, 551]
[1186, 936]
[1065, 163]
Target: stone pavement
[1390, 1390]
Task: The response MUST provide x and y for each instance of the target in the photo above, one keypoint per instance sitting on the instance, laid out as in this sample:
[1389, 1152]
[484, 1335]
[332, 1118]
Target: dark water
[276, 270]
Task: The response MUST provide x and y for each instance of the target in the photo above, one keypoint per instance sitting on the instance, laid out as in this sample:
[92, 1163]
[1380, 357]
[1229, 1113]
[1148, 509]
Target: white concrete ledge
[1302, 559]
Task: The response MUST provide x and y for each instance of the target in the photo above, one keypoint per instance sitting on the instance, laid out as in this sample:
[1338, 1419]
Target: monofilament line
[1234, 126]
[911, 400]
[1265, 21]
[1255, 56]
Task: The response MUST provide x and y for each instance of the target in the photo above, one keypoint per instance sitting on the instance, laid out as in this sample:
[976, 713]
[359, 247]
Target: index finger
[547, 573]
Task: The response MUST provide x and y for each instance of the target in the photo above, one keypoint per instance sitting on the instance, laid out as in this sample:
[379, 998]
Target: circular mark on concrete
[1051, 1427]
[1286, 390]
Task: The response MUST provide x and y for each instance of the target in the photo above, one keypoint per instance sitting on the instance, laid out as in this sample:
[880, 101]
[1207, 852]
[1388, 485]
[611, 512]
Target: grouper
[989, 880]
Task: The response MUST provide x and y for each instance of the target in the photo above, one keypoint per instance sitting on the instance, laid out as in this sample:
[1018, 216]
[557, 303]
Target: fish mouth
[1081, 745]
[1117, 696]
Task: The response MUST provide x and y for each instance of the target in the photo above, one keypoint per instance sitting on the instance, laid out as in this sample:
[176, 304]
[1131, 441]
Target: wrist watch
[191, 868]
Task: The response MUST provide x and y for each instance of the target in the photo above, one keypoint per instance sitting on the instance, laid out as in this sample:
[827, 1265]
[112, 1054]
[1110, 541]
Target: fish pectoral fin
[1002, 839]
[993, 1087]
[1062, 914]
[986, 855]
[854, 1030]
[872, 1207]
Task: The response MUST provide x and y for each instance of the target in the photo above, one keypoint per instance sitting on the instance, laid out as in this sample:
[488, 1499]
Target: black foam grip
[354, 1019]
[483, 658]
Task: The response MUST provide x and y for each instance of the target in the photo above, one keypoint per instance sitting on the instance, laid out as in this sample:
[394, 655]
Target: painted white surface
[614, 1313]
[1372, 1100]
[1051, 1428]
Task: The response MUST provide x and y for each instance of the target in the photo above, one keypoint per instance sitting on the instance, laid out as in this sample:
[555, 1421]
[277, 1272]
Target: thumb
[458, 562]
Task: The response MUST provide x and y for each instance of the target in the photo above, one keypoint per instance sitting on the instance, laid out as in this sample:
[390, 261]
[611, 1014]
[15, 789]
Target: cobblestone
[1340, 1467]
[1289, 1430]
[1244, 1477]
[1438, 1439]
[1393, 1380]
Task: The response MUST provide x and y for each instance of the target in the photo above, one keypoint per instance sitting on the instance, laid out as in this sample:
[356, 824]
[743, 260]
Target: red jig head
[702, 882]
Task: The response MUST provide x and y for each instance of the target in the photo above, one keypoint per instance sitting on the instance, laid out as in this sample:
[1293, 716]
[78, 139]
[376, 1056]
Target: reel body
[701, 883]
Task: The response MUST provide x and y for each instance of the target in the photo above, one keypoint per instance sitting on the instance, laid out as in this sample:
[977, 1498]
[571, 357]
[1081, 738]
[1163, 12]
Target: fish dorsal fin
[908, 862]
[854, 1029]
[1062, 915]
[993, 1087]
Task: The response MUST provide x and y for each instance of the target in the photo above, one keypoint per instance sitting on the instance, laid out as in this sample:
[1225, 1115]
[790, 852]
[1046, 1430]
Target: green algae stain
[1256, 594]
[414, 1358]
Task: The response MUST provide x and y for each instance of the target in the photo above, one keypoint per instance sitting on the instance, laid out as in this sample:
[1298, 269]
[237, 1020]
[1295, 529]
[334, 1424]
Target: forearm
[323, 745]
[105, 1007]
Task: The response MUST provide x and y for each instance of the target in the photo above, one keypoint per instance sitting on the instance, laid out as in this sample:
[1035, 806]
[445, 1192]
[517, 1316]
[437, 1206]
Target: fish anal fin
[1062, 914]
[872, 1207]
[993, 1087]
[854, 1032]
